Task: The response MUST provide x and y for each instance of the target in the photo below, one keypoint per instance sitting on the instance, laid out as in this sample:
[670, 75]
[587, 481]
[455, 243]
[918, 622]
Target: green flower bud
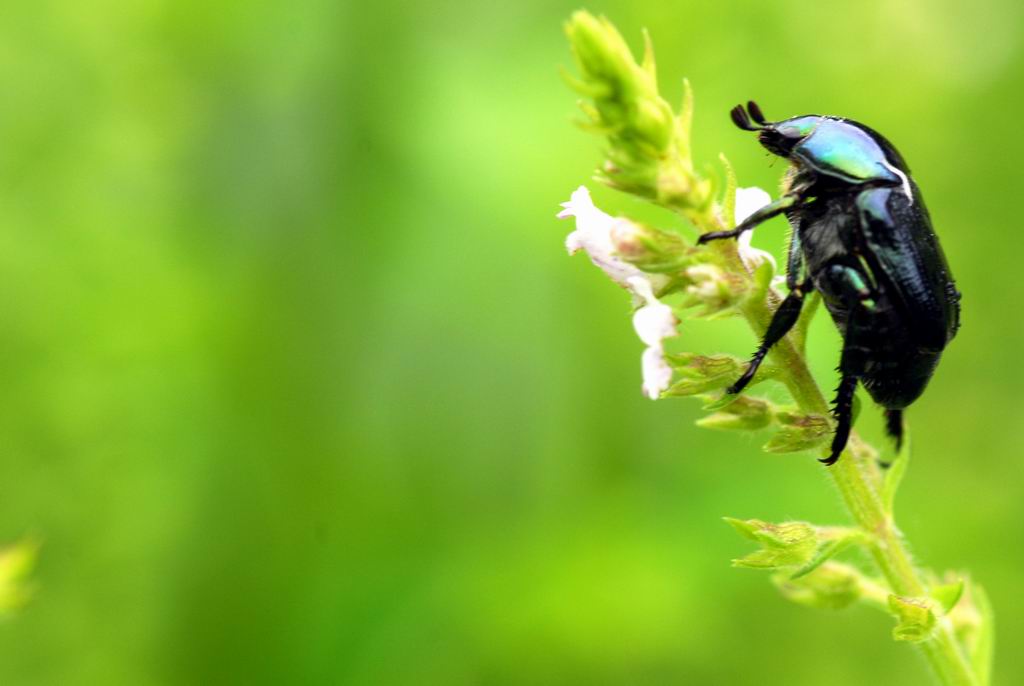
[831, 586]
[648, 145]
[702, 373]
[915, 617]
[947, 595]
[625, 93]
[713, 289]
[789, 544]
[679, 187]
[743, 414]
[799, 432]
[833, 540]
[974, 623]
[653, 118]
[651, 250]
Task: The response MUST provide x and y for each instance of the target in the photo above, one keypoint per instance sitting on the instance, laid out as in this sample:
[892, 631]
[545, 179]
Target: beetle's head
[778, 137]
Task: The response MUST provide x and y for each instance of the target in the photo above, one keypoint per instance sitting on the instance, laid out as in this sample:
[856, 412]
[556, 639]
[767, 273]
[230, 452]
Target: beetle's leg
[859, 299]
[894, 426]
[794, 261]
[782, 321]
[785, 317]
[843, 413]
[765, 213]
[850, 365]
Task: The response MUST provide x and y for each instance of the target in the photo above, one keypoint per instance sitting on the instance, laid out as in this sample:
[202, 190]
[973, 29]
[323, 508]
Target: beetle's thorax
[837, 150]
[782, 137]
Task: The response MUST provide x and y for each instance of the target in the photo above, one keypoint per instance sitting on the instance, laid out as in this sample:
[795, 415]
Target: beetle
[861, 237]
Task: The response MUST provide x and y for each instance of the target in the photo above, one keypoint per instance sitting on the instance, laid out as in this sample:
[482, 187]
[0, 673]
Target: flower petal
[593, 227]
[748, 201]
[593, 235]
[657, 373]
[655, 320]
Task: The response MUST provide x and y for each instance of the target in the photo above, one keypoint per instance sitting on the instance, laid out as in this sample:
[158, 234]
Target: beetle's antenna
[740, 119]
[755, 113]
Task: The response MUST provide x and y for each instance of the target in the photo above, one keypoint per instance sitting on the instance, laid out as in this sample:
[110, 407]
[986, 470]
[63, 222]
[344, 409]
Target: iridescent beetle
[863, 239]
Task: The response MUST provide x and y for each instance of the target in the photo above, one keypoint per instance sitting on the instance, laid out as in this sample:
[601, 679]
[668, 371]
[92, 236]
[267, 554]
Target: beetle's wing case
[904, 253]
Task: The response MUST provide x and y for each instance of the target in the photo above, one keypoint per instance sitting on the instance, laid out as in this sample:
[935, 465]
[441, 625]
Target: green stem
[649, 156]
[856, 476]
[859, 481]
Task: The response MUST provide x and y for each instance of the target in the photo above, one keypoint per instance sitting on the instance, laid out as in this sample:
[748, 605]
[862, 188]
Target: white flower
[657, 373]
[653, 322]
[594, 235]
[748, 201]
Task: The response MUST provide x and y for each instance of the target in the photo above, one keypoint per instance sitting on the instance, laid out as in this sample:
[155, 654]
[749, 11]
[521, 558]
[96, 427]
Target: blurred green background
[298, 385]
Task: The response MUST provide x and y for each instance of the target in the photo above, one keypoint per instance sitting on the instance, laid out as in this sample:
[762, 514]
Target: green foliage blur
[298, 385]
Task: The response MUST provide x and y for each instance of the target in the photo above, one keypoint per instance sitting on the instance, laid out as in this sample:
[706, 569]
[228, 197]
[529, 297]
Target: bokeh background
[297, 384]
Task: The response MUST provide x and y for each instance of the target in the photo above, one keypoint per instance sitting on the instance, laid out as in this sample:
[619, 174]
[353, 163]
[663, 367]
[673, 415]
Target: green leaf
[687, 387]
[894, 475]
[845, 537]
[947, 595]
[799, 432]
[747, 528]
[762, 282]
[832, 586]
[915, 617]
[743, 414]
[647, 64]
[729, 199]
[650, 249]
[720, 402]
[789, 544]
[702, 373]
[982, 646]
[685, 119]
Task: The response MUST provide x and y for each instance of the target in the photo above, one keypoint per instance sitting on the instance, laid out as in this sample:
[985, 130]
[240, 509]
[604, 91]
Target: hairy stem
[856, 475]
[649, 155]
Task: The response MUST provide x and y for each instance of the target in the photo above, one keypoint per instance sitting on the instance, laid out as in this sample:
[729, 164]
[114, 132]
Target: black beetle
[861, 236]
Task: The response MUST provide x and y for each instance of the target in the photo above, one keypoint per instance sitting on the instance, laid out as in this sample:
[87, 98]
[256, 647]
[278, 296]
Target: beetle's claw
[705, 238]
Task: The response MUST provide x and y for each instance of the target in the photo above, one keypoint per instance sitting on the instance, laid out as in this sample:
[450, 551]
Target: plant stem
[649, 156]
[858, 478]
